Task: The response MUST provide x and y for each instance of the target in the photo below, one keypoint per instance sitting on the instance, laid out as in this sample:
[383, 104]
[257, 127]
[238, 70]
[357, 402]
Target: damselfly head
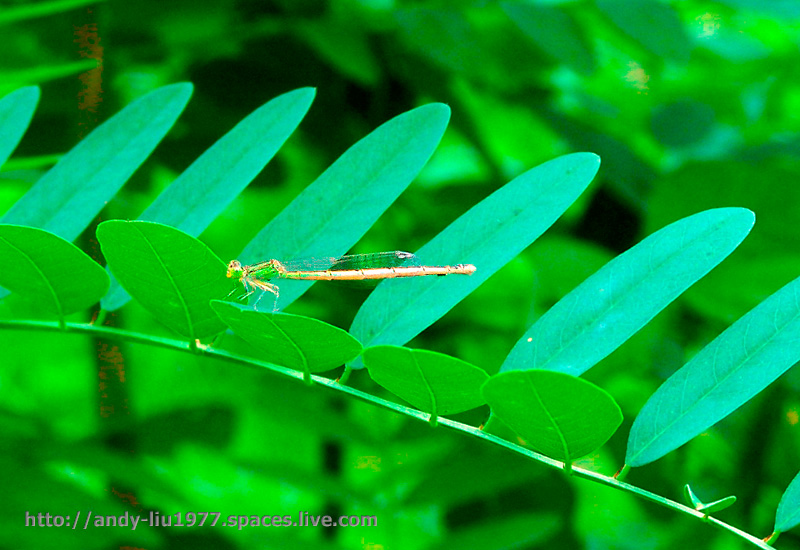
[234, 266]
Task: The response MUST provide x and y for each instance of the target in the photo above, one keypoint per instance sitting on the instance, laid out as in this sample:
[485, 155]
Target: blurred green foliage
[691, 105]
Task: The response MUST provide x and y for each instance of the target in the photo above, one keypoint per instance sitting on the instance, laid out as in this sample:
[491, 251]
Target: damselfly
[355, 267]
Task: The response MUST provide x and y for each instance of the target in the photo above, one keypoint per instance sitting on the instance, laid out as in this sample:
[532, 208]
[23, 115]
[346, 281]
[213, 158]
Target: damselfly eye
[234, 265]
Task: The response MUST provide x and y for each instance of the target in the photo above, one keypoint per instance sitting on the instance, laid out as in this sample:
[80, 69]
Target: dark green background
[691, 105]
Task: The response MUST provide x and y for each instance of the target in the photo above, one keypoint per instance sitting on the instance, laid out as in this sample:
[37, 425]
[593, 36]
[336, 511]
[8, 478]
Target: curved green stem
[182, 345]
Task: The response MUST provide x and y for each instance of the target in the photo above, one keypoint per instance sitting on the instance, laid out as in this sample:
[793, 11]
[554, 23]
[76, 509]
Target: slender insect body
[380, 265]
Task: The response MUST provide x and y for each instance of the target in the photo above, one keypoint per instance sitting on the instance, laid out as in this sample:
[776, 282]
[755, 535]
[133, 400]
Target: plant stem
[182, 345]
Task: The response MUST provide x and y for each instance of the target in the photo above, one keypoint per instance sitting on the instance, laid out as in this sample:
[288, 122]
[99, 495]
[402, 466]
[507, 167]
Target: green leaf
[344, 44]
[294, 341]
[211, 183]
[669, 123]
[767, 259]
[722, 377]
[432, 382]
[335, 211]
[718, 505]
[654, 25]
[554, 31]
[557, 414]
[709, 508]
[613, 304]
[46, 268]
[788, 514]
[446, 37]
[172, 274]
[68, 197]
[691, 498]
[39, 74]
[16, 111]
[778, 9]
[40, 9]
[489, 235]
